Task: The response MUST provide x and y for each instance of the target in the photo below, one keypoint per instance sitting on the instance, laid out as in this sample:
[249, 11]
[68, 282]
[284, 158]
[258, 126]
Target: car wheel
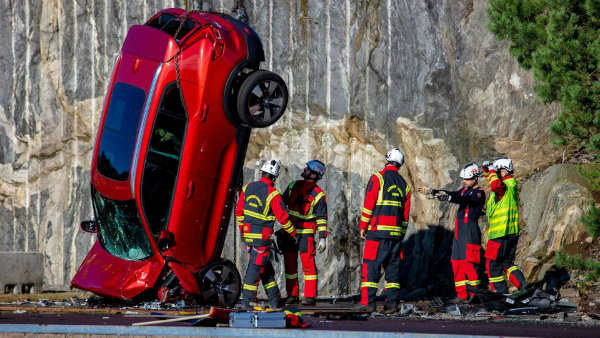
[221, 284]
[262, 99]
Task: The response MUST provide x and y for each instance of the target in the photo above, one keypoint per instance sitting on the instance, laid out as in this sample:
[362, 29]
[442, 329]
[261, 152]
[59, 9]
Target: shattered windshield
[120, 229]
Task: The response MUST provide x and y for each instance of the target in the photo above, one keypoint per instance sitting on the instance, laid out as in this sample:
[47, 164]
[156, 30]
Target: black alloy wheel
[221, 284]
[262, 99]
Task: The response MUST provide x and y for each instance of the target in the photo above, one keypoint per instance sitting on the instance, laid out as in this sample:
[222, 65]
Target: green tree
[559, 41]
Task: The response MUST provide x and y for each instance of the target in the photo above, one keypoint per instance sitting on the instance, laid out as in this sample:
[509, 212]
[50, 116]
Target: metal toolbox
[257, 319]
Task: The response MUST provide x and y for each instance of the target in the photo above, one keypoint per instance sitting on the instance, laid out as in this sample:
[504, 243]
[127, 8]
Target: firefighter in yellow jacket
[503, 234]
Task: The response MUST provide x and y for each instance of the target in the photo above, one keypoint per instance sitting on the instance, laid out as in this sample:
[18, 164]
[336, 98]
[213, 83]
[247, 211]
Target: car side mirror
[166, 240]
[89, 226]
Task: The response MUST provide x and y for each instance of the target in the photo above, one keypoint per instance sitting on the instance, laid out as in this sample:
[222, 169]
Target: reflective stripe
[250, 287]
[503, 216]
[305, 231]
[392, 285]
[259, 216]
[365, 219]
[251, 235]
[474, 282]
[270, 285]
[390, 203]
[269, 198]
[368, 285]
[511, 269]
[288, 227]
[461, 283]
[322, 228]
[321, 221]
[294, 276]
[367, 211]
[299, 215]
[497, 279]
[310, 277]
[391, 228]
[380, 193]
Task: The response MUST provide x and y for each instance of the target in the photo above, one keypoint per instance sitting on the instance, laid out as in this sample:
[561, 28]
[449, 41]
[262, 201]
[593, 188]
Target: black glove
[485, 164]
[443, 197]
[433, 191]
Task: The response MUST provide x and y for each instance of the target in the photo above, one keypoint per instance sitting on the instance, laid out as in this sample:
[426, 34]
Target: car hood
[109, 276]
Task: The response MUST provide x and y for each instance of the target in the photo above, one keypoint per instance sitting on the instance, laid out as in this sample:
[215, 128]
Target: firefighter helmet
[470, 171]
[317, 166]
[271, 167]
[504, 163]
[395, 155]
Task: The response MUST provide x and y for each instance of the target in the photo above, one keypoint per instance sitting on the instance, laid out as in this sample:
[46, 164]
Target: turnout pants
[464, 273]
[378, 253]
[499, 255]
[260, 268]
[306, 248]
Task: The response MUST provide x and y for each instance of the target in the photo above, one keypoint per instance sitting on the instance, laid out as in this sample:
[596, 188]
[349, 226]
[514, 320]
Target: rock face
[364, 76]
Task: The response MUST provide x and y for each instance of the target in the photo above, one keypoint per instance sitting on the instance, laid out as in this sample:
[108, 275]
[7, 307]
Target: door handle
[190, 190]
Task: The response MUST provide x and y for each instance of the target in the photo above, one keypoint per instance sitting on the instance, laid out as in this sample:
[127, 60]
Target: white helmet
[504, 163]
[395, 155]
[470, 171]
[316, 166]
[271, 167]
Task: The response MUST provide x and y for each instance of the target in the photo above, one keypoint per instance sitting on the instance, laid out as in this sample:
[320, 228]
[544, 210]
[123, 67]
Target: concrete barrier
[21, 272]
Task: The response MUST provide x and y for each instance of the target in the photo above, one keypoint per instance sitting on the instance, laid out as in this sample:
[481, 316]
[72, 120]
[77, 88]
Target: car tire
[220, 284]
[262, 99]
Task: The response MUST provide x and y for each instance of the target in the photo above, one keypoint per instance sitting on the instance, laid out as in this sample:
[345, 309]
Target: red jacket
[372, 194]
[258, 206]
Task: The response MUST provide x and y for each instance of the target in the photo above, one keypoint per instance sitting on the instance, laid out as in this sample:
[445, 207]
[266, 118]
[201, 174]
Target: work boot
[292, 300]
[309, 301]
[365, 308]
[390, 308]
[525, 286]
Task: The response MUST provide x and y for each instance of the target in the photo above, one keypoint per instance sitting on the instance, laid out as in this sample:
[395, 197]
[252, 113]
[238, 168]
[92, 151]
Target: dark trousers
[260, 268]
[500, 254]
[306, 248]
[378, 253]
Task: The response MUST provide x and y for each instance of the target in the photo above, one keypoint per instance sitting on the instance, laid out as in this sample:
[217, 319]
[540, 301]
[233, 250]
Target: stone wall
[364, 76]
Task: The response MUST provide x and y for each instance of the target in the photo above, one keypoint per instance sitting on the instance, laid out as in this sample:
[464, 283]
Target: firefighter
[307, 207]
[383, 223]
[503, 234]
[258, 206]
[466, 244]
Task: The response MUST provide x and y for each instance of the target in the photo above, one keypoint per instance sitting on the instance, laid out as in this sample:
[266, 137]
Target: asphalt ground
[107, 324]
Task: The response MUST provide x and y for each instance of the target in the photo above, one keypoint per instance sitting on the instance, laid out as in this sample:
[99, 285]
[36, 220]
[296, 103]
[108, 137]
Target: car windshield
[120, 229]
[120, 129]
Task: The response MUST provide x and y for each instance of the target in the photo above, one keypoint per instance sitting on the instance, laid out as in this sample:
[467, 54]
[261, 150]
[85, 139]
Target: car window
[162, 159]
[169, 24]
[119, 132]
[120, 229]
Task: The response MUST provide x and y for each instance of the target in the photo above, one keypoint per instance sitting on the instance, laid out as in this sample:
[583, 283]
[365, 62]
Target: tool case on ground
[257, 319]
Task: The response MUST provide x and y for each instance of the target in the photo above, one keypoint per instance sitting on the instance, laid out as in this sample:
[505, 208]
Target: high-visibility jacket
[258, 206]
[502, 206]
[307, 206]
[387, 205]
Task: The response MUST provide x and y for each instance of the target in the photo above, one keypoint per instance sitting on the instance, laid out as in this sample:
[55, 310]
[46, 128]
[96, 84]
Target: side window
[162, 160]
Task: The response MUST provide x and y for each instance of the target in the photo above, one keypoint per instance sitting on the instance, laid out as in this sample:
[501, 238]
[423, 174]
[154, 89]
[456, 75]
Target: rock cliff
[364, 76]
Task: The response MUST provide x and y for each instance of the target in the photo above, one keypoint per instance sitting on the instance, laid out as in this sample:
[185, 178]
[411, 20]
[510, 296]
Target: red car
[184, 94]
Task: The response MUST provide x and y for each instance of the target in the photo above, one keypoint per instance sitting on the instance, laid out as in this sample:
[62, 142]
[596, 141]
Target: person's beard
[305, 175]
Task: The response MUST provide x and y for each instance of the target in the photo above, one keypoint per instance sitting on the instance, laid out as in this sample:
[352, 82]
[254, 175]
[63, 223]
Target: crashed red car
[185, 92]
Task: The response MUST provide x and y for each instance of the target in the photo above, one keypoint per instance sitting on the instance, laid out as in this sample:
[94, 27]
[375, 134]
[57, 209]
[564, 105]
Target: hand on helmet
[322, 244]
[486, 164]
